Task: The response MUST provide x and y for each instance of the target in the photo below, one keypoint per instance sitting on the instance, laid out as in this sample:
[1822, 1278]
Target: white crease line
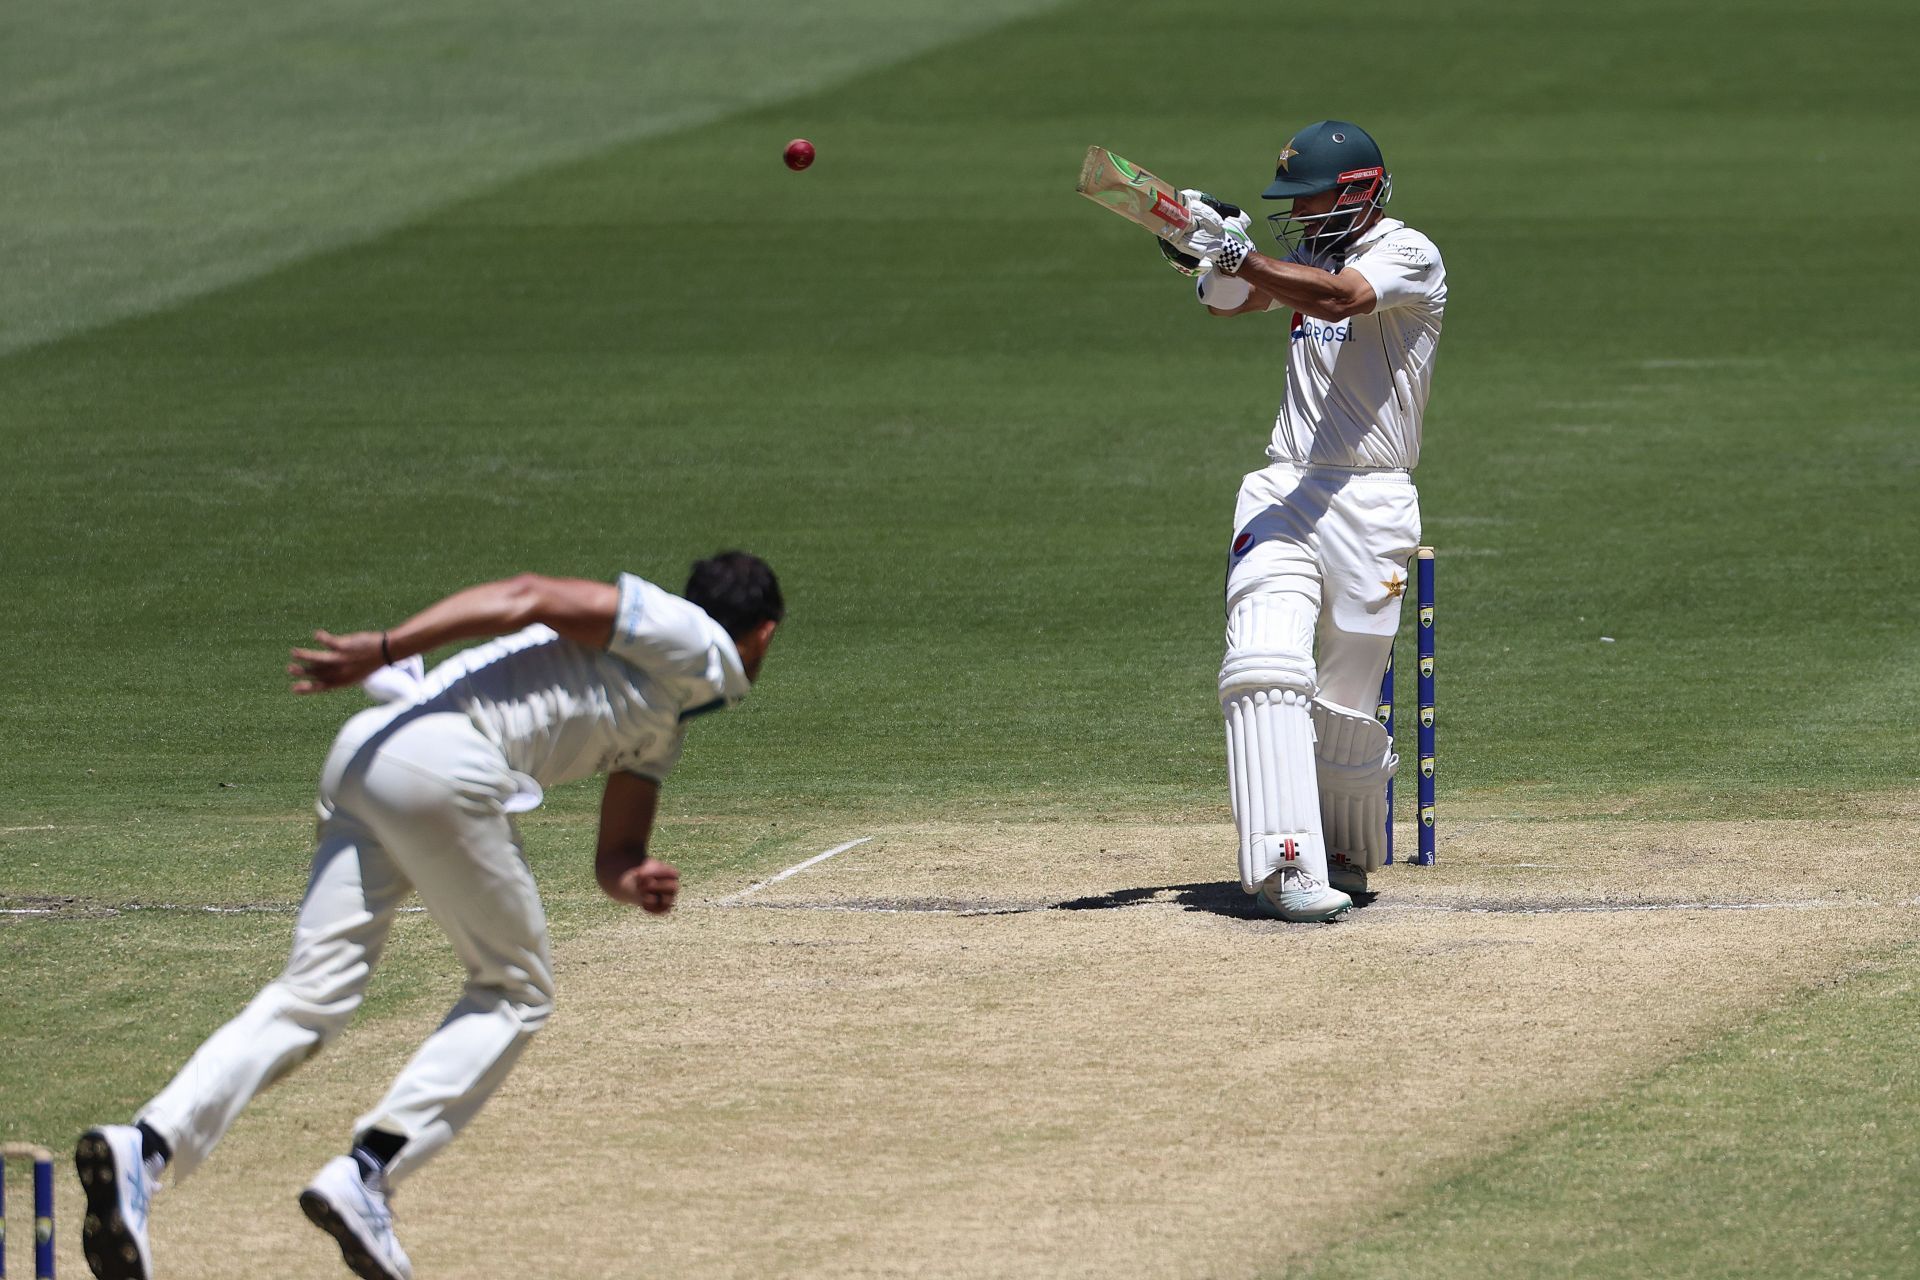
[876, 911]
[1603, 908]
[730, 899]
[7, 831]
[86, 908]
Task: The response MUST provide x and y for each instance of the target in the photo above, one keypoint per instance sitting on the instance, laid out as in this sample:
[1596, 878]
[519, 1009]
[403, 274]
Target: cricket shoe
[1290, 894]
[1346, 877]
[354, 1212]
[119, 1182]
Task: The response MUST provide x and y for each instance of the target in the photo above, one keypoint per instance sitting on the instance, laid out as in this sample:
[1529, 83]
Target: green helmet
[1331, 155]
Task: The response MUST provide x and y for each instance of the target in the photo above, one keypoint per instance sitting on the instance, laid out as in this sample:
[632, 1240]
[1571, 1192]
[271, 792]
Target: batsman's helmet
[1331, 155]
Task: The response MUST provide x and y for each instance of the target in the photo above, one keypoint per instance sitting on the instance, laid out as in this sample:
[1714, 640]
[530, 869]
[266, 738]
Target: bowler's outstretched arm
[578, 608]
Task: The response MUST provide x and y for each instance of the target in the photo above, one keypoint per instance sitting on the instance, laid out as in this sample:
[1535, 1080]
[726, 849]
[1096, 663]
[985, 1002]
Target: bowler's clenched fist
[652, 886]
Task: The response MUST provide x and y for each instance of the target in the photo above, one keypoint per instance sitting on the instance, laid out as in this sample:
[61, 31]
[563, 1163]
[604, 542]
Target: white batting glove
[1239, 217]
[1234, 249]
[1211, 235]
[1200, 215]
[1239, 230]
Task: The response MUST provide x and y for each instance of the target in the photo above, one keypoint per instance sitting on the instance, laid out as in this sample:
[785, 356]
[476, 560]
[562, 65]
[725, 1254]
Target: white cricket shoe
[1346, 877]
[354, 1212]
[119, 1182]
[1290, 894]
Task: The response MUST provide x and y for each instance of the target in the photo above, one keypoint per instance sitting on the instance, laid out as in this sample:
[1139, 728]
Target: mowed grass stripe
[992, 445]
[154, 154]
[1788, 1148]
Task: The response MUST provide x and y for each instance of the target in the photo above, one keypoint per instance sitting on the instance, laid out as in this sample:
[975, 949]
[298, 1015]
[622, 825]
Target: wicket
[1423, 601]
[42, 1205]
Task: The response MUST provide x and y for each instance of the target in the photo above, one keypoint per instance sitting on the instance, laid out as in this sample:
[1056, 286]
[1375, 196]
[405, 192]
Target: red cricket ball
[798, 155]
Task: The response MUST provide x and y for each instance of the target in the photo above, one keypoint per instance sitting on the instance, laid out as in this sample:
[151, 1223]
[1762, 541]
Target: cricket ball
[798, 155]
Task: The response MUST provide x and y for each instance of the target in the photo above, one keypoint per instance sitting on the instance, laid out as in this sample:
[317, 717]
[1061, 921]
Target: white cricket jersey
[560, 711]
[1356, 390]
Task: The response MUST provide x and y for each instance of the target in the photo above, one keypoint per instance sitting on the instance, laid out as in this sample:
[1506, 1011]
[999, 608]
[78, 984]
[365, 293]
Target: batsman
[1323, 533]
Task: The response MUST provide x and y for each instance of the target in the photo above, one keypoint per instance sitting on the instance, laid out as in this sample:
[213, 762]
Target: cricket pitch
[1065, 1050]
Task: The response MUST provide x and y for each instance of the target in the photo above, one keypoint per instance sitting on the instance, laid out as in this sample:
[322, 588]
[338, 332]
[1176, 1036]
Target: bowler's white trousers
[411, 799]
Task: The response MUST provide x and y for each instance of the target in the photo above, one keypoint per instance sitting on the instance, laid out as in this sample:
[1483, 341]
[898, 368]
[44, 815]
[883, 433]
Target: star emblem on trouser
[1396, 587]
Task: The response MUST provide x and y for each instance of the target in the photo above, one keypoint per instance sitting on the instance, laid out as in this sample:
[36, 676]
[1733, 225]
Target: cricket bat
[1131, 191]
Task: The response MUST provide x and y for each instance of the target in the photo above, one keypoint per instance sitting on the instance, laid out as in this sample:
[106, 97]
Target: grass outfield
[1785, 1149]
[985, 439]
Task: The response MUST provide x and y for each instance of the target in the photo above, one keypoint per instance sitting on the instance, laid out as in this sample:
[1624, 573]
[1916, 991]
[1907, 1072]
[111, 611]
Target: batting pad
[1266, 683]
[1271, 777]
[1355, 759]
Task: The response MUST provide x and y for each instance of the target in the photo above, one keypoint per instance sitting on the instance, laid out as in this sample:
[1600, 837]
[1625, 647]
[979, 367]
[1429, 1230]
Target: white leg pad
[1270, 774]
[1355, 759]
[1266, 686]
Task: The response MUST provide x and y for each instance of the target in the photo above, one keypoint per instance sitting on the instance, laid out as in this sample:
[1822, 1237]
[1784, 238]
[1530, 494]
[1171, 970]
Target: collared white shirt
[560, 711]
[1357, 390]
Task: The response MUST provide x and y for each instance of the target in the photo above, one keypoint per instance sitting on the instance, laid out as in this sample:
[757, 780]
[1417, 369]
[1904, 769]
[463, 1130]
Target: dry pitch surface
[1064, 1050]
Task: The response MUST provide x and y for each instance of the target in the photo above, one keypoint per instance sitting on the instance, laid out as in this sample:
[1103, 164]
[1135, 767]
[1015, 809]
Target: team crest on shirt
[1242, 544]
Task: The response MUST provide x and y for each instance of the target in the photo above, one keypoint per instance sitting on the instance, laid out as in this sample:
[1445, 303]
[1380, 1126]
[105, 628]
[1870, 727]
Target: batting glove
[1231, 215]
[1234, 247]
[1212, 234]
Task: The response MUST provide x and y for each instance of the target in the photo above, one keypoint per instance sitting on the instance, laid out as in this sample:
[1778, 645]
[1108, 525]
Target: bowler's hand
[652, 886]
[338, 662]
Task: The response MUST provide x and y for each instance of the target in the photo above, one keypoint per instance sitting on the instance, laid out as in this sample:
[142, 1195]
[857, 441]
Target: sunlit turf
[991, 446]
[1786, 1149]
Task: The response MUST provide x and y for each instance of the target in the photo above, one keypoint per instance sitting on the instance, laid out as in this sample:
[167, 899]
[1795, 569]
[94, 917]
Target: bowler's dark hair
[737, 590]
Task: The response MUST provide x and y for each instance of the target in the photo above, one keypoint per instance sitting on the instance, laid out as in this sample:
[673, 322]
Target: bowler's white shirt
[560, 711]
[1357, 390]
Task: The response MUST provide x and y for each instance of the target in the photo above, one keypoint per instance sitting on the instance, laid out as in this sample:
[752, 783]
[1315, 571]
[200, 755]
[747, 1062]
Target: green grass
[157, 152]
[104, 1003]
[1786, 1149]
[104, 1010]
[313, 318]
[992, 449]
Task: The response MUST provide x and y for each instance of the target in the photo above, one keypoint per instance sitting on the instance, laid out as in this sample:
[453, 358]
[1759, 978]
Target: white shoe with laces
[1290, 894]
[354, 1212]
[1346, 877]
[119, 1182]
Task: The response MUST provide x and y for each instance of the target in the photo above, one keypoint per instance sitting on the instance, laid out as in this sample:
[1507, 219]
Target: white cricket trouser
[1334, 545]
[410, 800]
[1317, 553]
